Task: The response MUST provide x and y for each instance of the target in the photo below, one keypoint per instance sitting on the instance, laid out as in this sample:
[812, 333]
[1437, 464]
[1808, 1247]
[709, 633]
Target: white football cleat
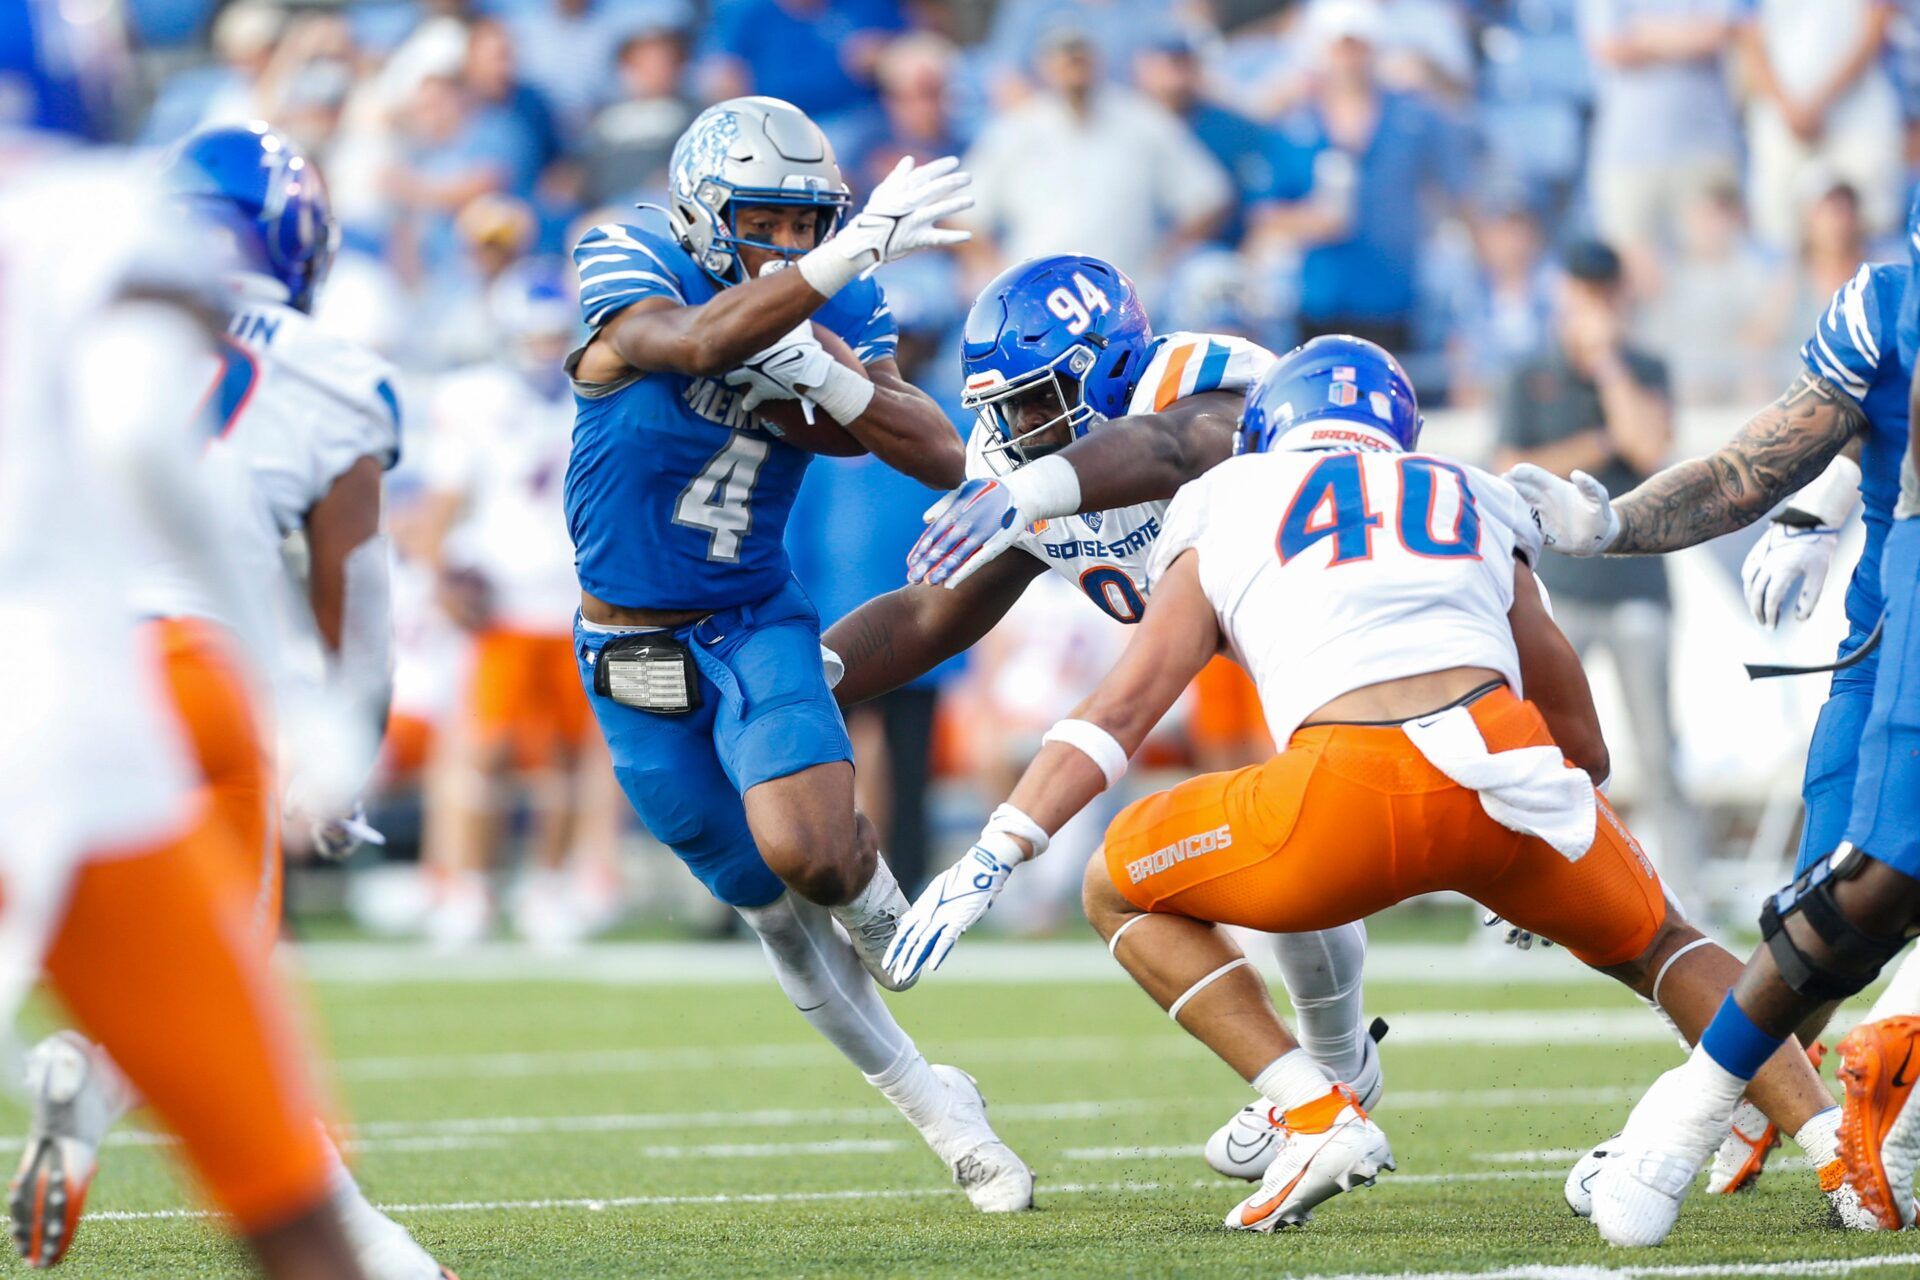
[994, 1178]
[1579, 1188]
[1639, 1188]
[1328, 1146]
[1737, 1164]
[77, 1095]
[1245, 1145]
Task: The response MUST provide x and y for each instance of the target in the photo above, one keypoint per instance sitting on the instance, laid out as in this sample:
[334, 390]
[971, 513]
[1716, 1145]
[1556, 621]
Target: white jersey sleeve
[1500, 501]
[1189, 364]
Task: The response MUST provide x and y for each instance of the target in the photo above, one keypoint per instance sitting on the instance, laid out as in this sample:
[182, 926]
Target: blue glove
[965, 530]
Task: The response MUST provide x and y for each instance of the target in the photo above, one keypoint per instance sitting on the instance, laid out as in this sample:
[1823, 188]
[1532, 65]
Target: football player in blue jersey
[1823, 944]
[699, 651]
[1088, 424]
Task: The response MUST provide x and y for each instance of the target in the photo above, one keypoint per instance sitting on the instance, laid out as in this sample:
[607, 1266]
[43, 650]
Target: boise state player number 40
[698, 650]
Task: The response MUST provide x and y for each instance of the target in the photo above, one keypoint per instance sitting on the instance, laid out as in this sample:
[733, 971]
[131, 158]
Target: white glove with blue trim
[1791, 561]
[961, 894]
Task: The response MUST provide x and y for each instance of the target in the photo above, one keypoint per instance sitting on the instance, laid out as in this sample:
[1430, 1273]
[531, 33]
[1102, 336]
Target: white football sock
[1292, 1080]
[1324, 974]
[910, 1085]
[819, 972]
[1902, 994]
[1716, 1087]
[1820, 1138]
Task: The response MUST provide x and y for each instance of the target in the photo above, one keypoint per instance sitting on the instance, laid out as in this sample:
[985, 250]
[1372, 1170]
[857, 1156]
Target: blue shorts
[765, 712]
[1886, 796]
[1833, 761]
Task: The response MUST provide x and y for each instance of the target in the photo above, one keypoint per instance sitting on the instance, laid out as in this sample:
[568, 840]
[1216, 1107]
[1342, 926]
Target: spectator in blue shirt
[449, 156]
[493, 79]
[1355, 169]
[1168, 71]
[915, 75]
[817, 54]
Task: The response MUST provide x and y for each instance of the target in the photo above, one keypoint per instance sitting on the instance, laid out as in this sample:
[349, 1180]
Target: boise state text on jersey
[676, 499]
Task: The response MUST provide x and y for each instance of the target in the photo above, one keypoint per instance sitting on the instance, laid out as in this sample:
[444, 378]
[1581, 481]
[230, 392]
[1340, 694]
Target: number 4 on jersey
[720, 498]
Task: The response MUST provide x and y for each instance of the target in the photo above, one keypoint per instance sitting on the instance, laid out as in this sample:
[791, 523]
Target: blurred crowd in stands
[1571, 215]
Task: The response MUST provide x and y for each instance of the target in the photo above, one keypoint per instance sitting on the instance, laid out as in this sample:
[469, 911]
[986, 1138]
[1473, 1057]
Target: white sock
[1717, 1087]
[1820, 1138]
[910, 1085]
[1292, 1080]
[1902, 994]
[1324, 977]
[819, 972]
[881, 899]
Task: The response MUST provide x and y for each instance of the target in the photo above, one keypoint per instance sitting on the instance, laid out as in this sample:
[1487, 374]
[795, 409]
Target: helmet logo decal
[1093, 519]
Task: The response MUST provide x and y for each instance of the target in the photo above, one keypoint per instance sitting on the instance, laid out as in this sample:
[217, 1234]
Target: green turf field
[630, 1128]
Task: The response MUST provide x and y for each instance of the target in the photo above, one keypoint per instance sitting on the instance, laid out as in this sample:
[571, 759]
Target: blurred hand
[1790, 561]
[966, 530]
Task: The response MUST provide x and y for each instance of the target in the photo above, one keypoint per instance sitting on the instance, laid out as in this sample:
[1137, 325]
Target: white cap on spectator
[1332, 20]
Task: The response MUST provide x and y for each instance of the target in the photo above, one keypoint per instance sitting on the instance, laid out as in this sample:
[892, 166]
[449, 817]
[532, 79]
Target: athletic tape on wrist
[1173, 1010]
[842, 395]
[827, 269]
[1832, 495]
[1044, 489]
[1093, 742]
[1008, 820]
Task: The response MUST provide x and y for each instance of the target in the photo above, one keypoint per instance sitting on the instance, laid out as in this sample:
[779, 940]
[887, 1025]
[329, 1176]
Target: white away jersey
[502, 446]
[291, 409]
[1104, 553]
[1333, 571]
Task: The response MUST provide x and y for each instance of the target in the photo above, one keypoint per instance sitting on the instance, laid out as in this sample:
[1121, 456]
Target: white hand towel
[1529, 789]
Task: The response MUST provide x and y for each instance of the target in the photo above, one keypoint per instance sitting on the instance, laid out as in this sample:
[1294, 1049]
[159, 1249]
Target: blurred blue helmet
[1052, 340]
[256, 185]
[1333, 379]
[61, 74]
[748, 151]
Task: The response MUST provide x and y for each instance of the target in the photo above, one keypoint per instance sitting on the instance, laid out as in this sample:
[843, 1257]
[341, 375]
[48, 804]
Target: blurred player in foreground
[1088, 425]
[301, 427]
[1384, 602]
[132, 888]
[699, 651]
[1847, 412]
[493, 530]
[1825, 937]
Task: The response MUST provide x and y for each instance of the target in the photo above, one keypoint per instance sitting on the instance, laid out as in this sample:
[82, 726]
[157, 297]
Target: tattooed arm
[904, 634]
[1779, 449]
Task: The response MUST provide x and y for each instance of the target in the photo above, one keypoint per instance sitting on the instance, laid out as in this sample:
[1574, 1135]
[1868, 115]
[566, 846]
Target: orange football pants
[526, 695]
[1351, 819]
[158, 960]
[216, 708]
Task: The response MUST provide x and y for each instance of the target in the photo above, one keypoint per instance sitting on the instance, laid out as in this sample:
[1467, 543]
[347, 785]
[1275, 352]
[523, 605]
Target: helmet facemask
[1038, 413]
[722, 201]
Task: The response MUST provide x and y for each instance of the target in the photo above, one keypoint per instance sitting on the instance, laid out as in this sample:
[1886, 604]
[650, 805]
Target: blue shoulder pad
[620, 265]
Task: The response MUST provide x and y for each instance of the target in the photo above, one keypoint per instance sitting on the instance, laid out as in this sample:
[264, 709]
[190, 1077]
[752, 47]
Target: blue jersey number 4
[1332, 503]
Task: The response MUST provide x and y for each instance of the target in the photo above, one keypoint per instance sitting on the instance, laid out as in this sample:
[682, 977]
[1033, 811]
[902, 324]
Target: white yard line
[986, 960]
[1475, 1029]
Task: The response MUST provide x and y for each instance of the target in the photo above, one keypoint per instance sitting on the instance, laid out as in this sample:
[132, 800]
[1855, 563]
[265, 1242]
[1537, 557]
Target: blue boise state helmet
[1067, 327]
[1332, 379]
[256, 185]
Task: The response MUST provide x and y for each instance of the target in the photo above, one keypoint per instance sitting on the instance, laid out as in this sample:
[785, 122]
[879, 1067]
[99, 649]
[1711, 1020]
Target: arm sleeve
[1189, 364]
[1501, 502]
[1847, 341]
[618, 267]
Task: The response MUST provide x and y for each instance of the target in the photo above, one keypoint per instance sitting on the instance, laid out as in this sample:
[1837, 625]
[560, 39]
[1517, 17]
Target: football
[786, 418]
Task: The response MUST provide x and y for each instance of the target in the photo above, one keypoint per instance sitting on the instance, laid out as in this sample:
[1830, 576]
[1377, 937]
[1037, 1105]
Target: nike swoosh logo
[1900, 1070]
[809, 1008]
[1240, 1152]
[1255, 1212]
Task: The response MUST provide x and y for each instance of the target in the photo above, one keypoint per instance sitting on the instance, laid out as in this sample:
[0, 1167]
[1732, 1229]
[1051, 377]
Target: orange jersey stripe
[1170, 381]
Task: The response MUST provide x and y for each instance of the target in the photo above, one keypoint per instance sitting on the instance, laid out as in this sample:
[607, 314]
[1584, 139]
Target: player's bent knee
[1105, 907]
[1818, 946]
[1643, 972]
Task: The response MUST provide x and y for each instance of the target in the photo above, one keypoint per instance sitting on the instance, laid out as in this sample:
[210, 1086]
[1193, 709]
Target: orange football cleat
[1879, 1132]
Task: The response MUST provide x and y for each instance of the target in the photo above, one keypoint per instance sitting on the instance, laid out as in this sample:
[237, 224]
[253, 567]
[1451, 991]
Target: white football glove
[782, 370]
[1576, 516]
[1517, 938]
[898, 220]
[960, 895]
[1791, 560]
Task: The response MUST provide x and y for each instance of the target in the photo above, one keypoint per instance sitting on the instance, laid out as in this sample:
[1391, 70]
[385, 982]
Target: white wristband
[1044, 489]
[1009, 821]
[1831, 497]
[842, 395]
[1093, 742]
[828, 269]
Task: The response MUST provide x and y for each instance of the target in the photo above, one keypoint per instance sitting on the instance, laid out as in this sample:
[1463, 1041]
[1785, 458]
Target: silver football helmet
[748, 151]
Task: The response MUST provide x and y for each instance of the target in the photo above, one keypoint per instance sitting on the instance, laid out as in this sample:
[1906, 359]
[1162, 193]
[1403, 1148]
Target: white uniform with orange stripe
[1104, 553]
[91, 759]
